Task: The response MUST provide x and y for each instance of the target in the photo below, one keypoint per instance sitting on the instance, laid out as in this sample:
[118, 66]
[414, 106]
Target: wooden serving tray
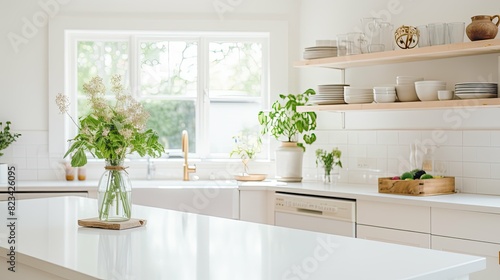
[445, 185]
[96, 223]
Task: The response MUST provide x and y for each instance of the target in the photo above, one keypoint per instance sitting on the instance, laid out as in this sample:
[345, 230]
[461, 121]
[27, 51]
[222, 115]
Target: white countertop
[178, 245]
[458, 201]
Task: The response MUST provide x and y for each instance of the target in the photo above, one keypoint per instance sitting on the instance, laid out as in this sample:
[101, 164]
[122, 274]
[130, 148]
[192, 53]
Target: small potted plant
[328, 161]
[285, 124]
[6, 138]
[246, 146]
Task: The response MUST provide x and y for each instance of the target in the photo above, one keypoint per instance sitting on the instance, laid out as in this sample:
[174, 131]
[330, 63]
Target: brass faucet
[185, 148]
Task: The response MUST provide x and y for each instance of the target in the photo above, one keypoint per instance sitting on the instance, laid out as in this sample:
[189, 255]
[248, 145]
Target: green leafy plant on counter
[283, 120]
[6, 137]
[328, 159]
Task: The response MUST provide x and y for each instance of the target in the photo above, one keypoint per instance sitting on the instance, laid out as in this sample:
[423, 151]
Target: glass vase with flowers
[329, 161]
[111, 131]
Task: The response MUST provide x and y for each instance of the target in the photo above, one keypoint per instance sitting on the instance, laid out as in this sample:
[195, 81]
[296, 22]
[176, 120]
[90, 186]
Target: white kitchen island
[178, 245]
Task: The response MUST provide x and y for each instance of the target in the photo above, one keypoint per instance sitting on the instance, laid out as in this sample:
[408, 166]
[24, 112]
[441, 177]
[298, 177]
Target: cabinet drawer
[466, 224]
[397, 216]
[488, 250]
[409, 238]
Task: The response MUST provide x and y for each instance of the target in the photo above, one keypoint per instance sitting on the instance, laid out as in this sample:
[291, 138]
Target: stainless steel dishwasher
[315, 213]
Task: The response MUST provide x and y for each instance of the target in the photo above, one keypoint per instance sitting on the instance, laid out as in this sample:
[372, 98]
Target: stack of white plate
[384, 94]
[320, 52]
[476, 90]
[356, 95]
[328, 94]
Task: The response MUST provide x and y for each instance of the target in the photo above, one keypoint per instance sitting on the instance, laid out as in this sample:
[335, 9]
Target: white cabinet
[256, 206]
[484, 249]
[213, 201]
[394, 223]
[469, 232]
[403, 237]
[29, 195]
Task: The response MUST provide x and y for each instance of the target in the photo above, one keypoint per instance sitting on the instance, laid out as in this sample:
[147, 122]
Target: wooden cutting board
[96, 223]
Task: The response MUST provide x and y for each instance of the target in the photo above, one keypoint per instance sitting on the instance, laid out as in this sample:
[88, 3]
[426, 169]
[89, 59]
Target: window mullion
[134, 66]
[203, 102]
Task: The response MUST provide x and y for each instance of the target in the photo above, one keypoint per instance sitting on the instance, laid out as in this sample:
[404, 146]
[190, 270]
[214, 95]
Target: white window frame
[59, 80]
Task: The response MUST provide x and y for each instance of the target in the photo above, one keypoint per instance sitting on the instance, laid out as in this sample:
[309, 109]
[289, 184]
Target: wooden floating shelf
[409, 55]
[401, 106]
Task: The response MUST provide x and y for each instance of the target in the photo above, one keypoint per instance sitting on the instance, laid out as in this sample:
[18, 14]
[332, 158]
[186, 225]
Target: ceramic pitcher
[482, 27]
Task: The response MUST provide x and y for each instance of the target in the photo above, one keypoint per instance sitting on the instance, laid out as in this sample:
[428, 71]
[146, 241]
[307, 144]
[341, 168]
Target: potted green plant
[6, 138]
[328, 161]
[285, 124]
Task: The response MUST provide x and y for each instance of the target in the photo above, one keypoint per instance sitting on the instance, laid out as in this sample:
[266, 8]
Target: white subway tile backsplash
[443, 138]
[387, 137]
[448, 153]
[495, 170]
[352, 138]
[367, 137]
[409, 137]
[357, 150]
[469, 185]
[488, 186]
[455, 169]
[477, 138]
[495, 138]
[476, 170]
[339, 137]
[376, 151]
[469, 154]
[322, 137]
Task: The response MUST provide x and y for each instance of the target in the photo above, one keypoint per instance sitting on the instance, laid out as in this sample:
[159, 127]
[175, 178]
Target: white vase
[289, 158]
[4, 174]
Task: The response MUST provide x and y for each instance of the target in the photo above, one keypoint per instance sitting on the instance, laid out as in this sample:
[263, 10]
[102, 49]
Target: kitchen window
[210, 84]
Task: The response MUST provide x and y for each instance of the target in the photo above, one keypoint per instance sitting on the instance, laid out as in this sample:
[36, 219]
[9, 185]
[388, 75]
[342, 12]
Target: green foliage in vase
[246, 146]
[283, 121]
[110, 131]
[6, 137]
[328, 159]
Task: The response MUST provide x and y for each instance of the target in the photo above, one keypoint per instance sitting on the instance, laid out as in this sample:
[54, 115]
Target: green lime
[426, 176]
[406, 175]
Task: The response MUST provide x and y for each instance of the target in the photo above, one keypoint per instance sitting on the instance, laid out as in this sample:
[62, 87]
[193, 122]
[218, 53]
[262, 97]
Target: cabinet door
[218, 202]
[396, 216]
[466, 225]
[409, 238]
[483, 249]
[254, 206]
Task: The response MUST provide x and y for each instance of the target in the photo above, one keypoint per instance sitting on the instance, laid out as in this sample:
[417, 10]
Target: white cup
[445, 94]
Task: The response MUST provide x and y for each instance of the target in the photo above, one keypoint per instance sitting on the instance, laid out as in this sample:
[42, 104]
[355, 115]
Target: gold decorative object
[406, 37]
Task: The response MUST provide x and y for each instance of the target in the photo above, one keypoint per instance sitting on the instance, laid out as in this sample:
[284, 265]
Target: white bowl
[384, 91]
[406, 93]
[428, 90]
[384, 98]
[402, 80]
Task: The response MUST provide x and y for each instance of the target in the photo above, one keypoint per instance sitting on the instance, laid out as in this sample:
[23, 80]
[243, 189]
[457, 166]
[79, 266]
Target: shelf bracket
[342, 116]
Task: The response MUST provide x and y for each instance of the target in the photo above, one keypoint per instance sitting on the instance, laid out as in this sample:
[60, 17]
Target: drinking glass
[341, 44]
[369, 26]
[423, 40]
[356, 43]
[456, 32]
[436, 33]
[385, 35]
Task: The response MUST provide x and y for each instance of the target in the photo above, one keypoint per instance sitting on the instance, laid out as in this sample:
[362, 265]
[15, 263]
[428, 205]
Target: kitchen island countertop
[177, 245]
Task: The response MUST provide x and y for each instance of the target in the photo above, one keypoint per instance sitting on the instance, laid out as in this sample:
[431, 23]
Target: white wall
[24, 97]
[379, 142]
